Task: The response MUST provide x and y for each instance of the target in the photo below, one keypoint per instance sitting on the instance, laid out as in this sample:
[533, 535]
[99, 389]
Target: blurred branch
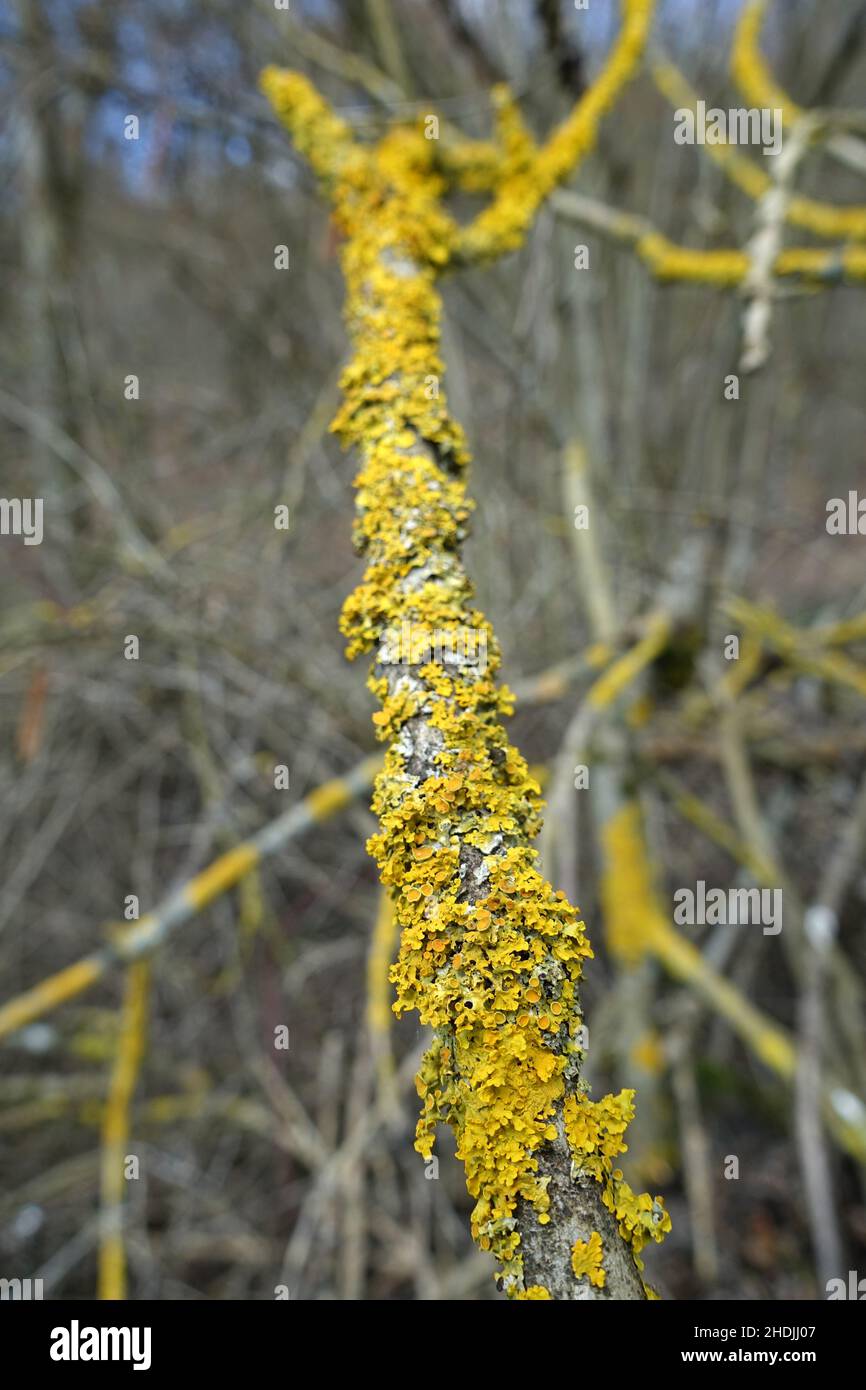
[352, 67]
[633, 910]
[130, 943]
[115, 1131]
[821, 927]
[799, 646]
[380, 958]
[387, 41]
[592, 577]
[726, 269]
[765, 247]
[562, 49]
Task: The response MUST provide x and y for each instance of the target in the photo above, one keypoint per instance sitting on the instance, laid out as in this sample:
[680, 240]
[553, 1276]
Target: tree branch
[490, 955]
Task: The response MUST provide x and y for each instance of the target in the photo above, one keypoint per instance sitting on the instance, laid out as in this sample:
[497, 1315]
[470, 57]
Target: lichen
[586, 1258]
[595, 1131]
[490, 955]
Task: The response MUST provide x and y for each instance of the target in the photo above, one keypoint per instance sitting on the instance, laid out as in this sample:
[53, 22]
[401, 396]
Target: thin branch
[131, 943]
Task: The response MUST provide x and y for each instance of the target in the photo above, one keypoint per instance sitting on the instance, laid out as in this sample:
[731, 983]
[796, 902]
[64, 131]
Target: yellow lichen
[586, 1260]
[595, 1131]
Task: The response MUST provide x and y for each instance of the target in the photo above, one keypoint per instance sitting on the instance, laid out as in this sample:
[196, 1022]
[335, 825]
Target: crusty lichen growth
[490, 954]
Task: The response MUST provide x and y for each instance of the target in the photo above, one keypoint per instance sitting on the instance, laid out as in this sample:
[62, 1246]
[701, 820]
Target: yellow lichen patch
[586, 1260]
[500, 1080]
[535, 1291]
[595, 1131]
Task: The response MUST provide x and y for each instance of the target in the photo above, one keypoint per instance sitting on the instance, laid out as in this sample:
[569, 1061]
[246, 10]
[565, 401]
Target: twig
[115, 1131]
[765, 246]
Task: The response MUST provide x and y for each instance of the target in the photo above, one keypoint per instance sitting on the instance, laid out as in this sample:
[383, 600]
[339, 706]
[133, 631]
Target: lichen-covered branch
[749, 68]
[725, 268]
[115, 1131]
[490, 955]
[531, 173]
